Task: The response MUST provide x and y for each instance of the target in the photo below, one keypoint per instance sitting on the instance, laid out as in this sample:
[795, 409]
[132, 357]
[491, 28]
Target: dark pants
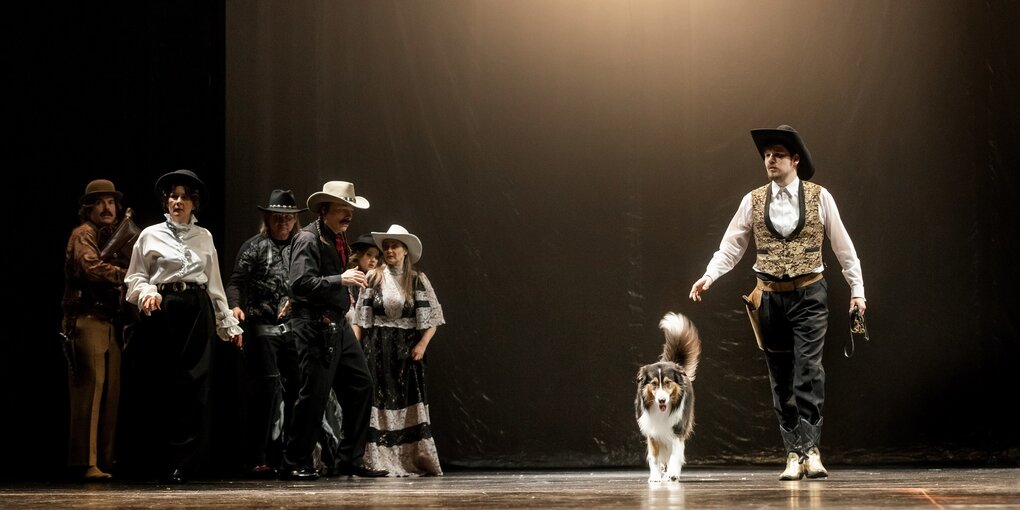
[328, 357]
[272, 368]
[167, 386]
[793, 330]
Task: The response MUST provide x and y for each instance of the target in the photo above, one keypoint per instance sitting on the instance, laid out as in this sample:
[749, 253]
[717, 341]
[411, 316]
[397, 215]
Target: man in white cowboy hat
[92, 306]
[329, 356]
[789, 219]
[258, 293]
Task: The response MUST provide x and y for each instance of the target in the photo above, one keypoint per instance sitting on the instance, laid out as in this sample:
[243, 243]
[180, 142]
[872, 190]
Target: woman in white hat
[396, 317]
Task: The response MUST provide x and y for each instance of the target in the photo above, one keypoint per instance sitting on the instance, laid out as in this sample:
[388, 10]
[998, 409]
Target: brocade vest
[798, 253]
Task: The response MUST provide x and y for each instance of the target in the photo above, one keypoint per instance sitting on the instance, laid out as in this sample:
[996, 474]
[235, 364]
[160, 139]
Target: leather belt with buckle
[271, 329]
[179, 286]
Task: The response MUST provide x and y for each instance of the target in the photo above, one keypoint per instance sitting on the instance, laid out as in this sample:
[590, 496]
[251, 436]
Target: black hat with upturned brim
[282, 201]
[182, 178]
[787, 137]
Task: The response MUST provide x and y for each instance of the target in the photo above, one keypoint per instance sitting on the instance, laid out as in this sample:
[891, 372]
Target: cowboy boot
[792, 440]
[813, 467]
[794, 467]
[810, 436]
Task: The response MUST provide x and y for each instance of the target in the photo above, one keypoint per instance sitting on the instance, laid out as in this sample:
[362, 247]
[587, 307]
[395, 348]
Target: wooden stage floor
[700, 488]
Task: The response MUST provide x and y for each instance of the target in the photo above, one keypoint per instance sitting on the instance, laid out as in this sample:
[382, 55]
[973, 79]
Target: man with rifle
[95, 264]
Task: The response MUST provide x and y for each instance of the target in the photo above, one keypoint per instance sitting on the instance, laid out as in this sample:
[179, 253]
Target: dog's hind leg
[676, 460]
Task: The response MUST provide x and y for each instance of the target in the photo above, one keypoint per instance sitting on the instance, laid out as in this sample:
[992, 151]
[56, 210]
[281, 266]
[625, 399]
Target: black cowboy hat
[282, 201]
[182, 178]
[787, 137]
[364, 241]
[97, 188]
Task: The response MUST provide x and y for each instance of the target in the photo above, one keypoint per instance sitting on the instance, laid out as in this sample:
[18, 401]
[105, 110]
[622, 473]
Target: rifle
[123, 239]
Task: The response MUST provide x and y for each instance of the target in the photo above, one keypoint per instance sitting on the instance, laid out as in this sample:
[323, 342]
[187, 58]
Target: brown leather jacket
[92, 286]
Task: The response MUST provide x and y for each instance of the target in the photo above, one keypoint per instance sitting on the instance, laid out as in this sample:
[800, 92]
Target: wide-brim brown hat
[282, 201]
[340, 192]
[97, 188]
[182, 178]
[787, 137]
[400, 234]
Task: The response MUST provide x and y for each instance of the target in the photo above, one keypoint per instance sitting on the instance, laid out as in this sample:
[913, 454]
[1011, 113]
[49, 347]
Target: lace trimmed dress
[400, 434]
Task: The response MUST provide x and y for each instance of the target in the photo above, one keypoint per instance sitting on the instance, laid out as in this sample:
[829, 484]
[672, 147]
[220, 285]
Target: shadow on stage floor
[699, 488]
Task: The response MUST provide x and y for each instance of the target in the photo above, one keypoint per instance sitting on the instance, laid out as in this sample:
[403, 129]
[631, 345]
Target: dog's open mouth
[662, 408]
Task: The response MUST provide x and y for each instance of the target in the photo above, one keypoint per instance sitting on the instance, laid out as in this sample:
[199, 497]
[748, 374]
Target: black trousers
[272, 378]
[793, 332]
[167, 382]
[328, 357]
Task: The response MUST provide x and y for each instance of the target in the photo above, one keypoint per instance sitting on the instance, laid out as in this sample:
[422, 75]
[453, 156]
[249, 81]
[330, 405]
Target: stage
[699, 488]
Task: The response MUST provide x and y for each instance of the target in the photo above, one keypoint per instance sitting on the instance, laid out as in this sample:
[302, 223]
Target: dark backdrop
[570, 168]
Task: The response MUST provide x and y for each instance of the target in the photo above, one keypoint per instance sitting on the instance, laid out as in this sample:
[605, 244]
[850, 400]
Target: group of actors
[316, 313]
[320, 319]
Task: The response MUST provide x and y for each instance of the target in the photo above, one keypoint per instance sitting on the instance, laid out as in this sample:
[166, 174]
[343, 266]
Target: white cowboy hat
[400, 234]
[341, 192]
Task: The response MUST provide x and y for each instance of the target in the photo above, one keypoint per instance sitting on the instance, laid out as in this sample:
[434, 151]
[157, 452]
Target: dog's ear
[640, 374]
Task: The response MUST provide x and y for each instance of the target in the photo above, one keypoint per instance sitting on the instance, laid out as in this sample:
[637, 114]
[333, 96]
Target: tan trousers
[95, 396]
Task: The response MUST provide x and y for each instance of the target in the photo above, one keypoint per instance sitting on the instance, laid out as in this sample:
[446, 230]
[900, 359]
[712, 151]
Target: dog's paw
[655, 478]
[672, 476]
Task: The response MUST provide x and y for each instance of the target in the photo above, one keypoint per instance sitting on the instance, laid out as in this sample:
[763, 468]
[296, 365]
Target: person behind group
[396, 317]
[92, 308]
[174, 279]
[365, 257]
[258, 294]
[328, 354]
[788, 219]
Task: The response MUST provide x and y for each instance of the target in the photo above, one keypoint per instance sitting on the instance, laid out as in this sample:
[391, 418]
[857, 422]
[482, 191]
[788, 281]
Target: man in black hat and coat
[788, 219]
[258, 295]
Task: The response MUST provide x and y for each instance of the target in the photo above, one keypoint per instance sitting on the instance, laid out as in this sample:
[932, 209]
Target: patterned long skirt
[400, 434]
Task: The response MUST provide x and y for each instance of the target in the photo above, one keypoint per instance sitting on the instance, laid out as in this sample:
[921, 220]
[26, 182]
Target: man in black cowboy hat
[788, 219]
[92, 306]
[258, 295]
[329, 356]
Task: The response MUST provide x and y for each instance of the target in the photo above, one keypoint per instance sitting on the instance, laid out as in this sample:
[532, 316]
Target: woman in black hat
[174, 279]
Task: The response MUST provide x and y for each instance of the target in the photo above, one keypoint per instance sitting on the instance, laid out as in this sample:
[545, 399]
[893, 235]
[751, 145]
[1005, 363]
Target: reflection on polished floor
[700, 488]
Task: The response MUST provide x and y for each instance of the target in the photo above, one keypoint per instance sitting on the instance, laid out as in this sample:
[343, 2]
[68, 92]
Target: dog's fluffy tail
[683, 345]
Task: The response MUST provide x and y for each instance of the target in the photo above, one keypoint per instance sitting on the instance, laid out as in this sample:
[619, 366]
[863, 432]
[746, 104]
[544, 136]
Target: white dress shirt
[785, 214]
[181, 253]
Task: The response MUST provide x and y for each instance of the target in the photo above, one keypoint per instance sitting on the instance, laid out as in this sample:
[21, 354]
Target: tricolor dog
[665, 398]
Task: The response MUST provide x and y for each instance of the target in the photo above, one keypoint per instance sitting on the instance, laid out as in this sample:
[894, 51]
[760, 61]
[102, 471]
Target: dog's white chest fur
[659, 424]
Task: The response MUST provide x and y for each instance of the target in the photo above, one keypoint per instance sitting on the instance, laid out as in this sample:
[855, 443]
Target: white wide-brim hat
[400, 234]
[341, 192]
